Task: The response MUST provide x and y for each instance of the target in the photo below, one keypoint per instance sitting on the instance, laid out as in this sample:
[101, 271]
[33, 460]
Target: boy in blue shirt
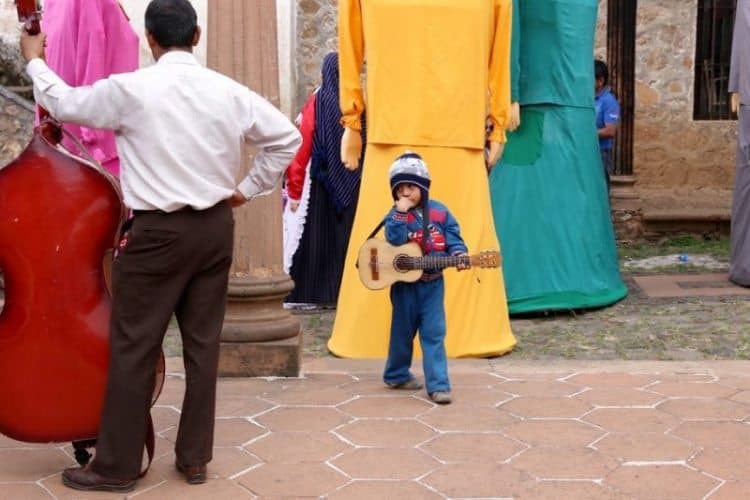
[607, 116]
[419, 305]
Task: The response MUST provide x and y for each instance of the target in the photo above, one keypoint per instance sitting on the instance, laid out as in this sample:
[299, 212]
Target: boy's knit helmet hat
[409, 168]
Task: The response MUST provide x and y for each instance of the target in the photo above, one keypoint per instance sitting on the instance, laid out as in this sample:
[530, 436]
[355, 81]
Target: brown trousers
[173, 263]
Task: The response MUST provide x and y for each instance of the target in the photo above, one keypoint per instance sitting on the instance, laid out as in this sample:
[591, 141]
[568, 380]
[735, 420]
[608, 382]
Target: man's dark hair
[601, 71]
[172, 23]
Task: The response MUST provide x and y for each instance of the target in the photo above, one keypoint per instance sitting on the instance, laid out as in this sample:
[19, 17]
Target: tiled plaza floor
[527, 430]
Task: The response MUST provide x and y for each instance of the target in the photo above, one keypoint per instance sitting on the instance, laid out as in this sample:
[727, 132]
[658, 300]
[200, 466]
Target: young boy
[419, 305]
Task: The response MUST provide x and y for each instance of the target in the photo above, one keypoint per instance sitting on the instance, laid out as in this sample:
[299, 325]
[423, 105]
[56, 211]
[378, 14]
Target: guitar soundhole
[401, 263]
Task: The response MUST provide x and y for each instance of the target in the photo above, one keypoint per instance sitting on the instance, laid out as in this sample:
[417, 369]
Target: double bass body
[58, 217]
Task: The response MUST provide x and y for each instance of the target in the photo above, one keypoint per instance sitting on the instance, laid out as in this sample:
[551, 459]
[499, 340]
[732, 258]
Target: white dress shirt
[179, 129]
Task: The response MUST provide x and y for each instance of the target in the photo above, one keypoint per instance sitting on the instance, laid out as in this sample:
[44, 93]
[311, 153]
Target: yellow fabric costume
[434, 69]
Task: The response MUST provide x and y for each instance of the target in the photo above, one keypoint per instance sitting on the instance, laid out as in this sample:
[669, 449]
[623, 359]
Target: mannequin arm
[351, 58]
[351, 148]
[494, 154]
[499, 71]
[735, 102]
[515, 116]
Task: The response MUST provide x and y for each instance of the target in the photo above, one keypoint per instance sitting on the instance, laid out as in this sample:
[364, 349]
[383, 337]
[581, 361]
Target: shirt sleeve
[96, 106]
[396, 230]
[611, 111]
[276, 138]
[351, 57]
[499, 74]
[295, 174]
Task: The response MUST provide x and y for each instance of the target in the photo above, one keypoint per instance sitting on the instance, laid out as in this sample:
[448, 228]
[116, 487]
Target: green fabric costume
[549, 196]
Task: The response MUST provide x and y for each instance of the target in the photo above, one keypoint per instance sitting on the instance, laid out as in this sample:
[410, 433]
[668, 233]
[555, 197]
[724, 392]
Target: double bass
[60, 218]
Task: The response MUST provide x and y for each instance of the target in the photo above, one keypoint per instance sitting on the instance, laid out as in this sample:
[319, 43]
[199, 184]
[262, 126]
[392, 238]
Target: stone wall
[316, 28]
[671, 149]
[16, 123]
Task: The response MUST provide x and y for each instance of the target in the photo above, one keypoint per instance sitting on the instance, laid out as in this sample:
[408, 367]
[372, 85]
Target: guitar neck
[435, 261]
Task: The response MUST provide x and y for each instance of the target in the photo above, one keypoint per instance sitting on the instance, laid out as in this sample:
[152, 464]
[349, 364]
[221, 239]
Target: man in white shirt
[179, 130]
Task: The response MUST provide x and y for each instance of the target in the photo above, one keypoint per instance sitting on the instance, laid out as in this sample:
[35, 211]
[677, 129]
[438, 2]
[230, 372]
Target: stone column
[259, 338]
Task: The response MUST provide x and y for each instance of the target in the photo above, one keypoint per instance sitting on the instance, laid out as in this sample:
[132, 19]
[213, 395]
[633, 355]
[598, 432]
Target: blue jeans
[418, 306]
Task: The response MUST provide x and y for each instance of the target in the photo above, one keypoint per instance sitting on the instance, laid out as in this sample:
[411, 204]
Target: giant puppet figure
[739, 86]
[436, 71]
[88, 41]
[548, 193]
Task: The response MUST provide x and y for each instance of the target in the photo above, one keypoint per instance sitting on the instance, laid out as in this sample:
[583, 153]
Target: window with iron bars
[713, 52]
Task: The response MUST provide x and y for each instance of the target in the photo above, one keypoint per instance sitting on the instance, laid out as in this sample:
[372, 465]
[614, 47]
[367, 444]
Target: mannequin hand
[735, 102]
[293, 205]
[515, 117]
[494, 154]
[351, 148]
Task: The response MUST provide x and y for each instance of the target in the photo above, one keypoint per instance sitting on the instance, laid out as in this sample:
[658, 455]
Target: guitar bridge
[374, 267]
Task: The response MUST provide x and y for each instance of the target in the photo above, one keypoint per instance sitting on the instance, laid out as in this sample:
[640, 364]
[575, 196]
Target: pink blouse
[88, 41]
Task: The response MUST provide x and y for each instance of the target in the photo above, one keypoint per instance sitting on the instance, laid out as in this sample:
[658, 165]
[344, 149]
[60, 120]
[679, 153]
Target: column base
[275, 358]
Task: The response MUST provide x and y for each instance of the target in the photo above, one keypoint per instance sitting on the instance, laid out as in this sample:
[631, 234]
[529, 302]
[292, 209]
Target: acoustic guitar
[381, 264]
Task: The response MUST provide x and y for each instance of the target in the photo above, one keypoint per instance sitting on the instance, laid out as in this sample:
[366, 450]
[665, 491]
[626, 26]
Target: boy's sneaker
[410, 385]
[441, 397]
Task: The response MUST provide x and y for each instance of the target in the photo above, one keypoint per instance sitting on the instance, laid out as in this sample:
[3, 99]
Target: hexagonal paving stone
[565, 463]
[632, 419]
[456, 418]
[292, 480]
[472, 447]
[624, 380]
[727, 435]
[241, 407]
[474, 480]
[212, 490]
[705, 409]
[742, 383]
[377, 490]
[732, 490]
[229, 387]
[542, 388]
[386, 406]
[32, 464]
[617, 396]
[660, 482]
[546, 407]
[25, 491]
[462, 380]
[578, 490]
[229, 461]
[560, 433]
[724, 464]
[693, 390]
[228, 432]
[295, 447]
[328, 396]
[385, 463]
[645, 447]
[472, 396]
[742, 397]
[386, 433]
[287, 418]
[164, 417]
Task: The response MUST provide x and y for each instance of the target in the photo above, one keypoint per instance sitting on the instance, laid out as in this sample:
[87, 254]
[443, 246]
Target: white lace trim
[294, 222]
